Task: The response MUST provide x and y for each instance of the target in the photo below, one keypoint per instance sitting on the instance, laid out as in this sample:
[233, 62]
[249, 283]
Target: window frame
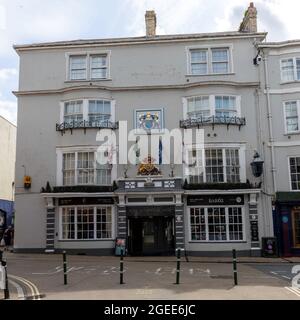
[285, 116]
[60, 151]
[70, 69]
[295, 78]
[226, 221]
[88, 55]
[95, 207]
[212, 103]
[242, 161]
[209, 49]
[85, 108]
[290, 173]
[91, 56]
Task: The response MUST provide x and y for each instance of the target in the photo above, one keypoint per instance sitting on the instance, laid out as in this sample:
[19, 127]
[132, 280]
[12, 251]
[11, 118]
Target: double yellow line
[35, 294]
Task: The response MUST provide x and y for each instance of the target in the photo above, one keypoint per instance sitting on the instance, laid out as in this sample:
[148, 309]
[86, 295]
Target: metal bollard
[178, 266]
[65, 268]
[235, 267]
[122, 267]
[6, 290]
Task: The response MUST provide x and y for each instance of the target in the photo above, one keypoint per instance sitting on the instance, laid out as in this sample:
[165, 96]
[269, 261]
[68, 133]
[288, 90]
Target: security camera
[257, 60]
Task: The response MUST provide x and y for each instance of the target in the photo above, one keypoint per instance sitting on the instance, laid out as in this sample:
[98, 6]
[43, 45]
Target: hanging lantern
[257, 165]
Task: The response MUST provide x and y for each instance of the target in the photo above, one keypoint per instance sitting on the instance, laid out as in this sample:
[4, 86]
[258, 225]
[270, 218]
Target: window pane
[85, 167]
[214, 165]
[73, 112]
[78, 67]
[220, 61]
[219, 55]
[85, 223]
[198, 107]
[216, 224]
[199, 68]
[298, 68]
[99, 67]
[235, 220]
[99, 111]
[291, 114]
[104, 223]
[68, 223]
[225, 106]
[232, 165]
[198, 226]
[287, 70]
[295, 172]
[199, 61]
[198, 56]
[69, 169]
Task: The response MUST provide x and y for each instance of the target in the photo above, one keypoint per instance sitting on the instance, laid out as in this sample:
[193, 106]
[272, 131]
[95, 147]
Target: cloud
[6, 73]
[8, 110]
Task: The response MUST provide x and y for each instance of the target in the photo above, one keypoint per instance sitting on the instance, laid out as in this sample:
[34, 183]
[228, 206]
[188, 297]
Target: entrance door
[151, 236]
[296, 227]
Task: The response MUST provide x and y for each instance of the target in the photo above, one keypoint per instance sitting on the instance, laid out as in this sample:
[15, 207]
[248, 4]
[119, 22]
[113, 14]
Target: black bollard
[235, 267]
[65, 268]
[6, 290]
[178, 266]
[122, 267]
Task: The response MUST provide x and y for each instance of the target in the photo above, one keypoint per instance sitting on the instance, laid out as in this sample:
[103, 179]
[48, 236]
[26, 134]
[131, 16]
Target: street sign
[2, 278]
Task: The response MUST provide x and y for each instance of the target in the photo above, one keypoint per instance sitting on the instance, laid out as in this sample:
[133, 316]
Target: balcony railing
[106, 124]
[212, 120]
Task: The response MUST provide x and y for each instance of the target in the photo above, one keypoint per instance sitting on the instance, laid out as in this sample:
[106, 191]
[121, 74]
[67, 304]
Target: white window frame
[298, 113]
[227, 224]
[212, 103]
[294, 69]
[59, 163]
[290, 175]
[242, 159]
[69, 70]
[113, 219]
[85, 107]
[209, 48]
[207, 61]
[104, 67]
[88, 55]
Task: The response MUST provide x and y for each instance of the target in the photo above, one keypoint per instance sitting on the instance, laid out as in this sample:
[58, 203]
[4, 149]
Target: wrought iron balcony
[106, 124]
[212, 120]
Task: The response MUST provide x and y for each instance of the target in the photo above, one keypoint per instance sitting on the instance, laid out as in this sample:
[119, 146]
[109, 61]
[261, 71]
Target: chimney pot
[150, 18]
[249, 23]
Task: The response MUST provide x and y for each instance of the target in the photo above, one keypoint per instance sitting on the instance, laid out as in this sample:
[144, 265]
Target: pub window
[86, 223]
[213, 224]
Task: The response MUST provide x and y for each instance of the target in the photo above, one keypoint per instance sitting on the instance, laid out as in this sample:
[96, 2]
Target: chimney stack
[150, 23]
[249, 23]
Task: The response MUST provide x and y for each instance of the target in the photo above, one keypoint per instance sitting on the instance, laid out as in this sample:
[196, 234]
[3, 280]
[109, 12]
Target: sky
[30, 21]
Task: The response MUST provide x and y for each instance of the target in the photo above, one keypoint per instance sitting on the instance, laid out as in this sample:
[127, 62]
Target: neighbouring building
[280, 75]
[71, 91]
[8, 133]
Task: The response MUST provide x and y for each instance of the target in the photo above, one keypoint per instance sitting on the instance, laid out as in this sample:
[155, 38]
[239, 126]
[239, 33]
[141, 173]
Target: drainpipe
[270, 124]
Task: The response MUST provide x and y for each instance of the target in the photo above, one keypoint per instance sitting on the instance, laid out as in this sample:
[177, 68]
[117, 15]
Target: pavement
[40, 277]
